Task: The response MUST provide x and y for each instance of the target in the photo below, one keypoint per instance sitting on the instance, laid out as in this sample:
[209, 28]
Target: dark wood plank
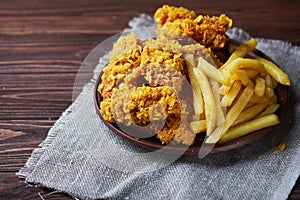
[43, 43]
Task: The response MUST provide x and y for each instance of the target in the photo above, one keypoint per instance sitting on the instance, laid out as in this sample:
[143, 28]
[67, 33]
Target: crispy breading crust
[125, 45]
[208, 31]
[162, 63]
[117, 70]
[170, 13]
[161, 109]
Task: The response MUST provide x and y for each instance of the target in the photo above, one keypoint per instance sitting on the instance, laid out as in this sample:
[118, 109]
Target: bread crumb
[259, 157]
[274, 152]
[281, 146]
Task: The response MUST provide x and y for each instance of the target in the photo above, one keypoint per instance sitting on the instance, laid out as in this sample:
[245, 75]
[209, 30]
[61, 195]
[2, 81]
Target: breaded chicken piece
[170, 13]
[160, 109]
[211, 31]
[162, 63]
[117, 70]
[208, 31]
[119, 103]
[125, 45]
[125, 56]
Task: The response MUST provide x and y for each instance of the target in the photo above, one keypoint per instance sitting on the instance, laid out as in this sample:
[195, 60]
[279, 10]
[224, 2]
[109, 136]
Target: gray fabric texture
[77, 155]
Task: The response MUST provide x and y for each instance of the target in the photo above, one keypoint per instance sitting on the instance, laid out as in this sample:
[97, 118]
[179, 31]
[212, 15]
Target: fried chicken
[160, 109]
[146, 83]
[126, 55]
[208, 31]
[125, 45]
[170, 13]
[162, 63]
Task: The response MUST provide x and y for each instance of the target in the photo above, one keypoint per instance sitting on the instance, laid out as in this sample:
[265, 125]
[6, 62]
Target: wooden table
[42, 44]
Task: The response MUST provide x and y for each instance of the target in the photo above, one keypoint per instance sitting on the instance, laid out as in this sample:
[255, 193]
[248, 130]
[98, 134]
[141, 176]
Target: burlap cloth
[83, 158]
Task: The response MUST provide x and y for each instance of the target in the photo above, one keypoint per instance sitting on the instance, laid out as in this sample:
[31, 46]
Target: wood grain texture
[43, 43]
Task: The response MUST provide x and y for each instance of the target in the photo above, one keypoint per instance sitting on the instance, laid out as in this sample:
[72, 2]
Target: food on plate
[208, 31]
[190, 80]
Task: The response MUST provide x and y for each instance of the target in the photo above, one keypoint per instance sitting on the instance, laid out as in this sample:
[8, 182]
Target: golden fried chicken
[125, 56]
[117, 70]
[211, 31]
[170, 13]
[208, 31]
[125, 45]
[160, 109]
[162, 63]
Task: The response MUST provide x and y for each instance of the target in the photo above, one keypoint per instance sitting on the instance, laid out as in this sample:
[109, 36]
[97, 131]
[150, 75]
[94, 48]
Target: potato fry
[250, 113]
[251, 73]
[224, 89]
[248, 127]
[269, 110]
[220, 114]
[263, 99]
[241, 63]
[232, 115]
[198, 126]
[197, 93]
[210, 70]
[231, 95]
[260, 86]
[269, 92]
[269, 81]
[242, 76]
[241, 51]
[278, 74]
[209, 101]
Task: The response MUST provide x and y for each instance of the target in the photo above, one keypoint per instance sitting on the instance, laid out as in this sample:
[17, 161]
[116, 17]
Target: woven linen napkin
[83, 158]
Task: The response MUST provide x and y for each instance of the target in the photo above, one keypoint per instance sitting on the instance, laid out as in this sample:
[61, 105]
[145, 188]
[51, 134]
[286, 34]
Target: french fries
[248, 127]
[198, 126]
[232, 114]
[209, 100]
[197, 93]
[210, 70]
[241, 51]
[275, 71]
[231, 94]
[242, 86]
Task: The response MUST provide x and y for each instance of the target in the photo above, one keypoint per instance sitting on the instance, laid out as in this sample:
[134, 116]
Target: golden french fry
[269, 110]
[251, 73]
[269, 81]
[197, 93]
[269, 92]
[263, 99]
[232, 115]
[238, 64]
[224, 89]
[198, 126]
[215, 90]
[248, 127]
[242, 76]
[278, 74]
[241, 51]
[260, 86]
[228, 98]
[210, 70]
[209, 101]
[250, 113]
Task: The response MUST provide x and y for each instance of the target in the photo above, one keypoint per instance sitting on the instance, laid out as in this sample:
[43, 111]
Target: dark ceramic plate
[152, 143]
